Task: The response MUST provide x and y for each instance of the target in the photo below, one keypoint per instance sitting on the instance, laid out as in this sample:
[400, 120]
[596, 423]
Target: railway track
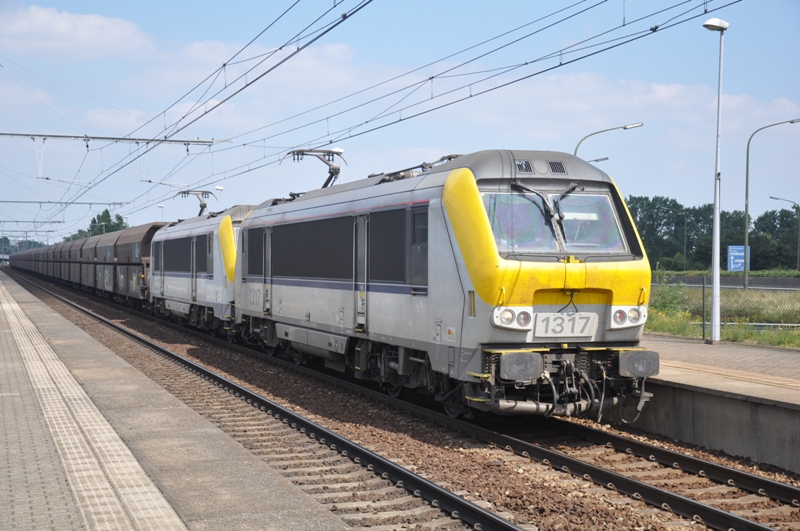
[746, 495]
[366, 490]
[704, 492]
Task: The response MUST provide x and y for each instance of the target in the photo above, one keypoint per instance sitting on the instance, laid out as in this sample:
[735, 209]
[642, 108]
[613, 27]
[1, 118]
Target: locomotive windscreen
[590, 225]
[521, 223]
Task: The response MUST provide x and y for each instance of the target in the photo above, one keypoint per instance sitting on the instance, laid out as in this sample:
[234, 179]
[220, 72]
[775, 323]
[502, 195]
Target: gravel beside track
[516, 488]
[723, 492]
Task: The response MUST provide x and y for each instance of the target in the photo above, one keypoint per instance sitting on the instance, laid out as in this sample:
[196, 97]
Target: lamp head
[218, 188]
[631, 126]
[794, 121]
[715, 24]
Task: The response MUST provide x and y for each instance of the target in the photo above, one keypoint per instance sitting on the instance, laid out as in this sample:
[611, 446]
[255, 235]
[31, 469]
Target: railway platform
[88, 442]
[738, 398]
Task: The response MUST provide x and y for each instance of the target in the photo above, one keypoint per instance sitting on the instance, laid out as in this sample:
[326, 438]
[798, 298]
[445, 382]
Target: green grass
[677, 310]
[768, 273]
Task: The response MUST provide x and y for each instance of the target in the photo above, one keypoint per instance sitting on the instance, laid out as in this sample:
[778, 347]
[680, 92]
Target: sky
[393, 84]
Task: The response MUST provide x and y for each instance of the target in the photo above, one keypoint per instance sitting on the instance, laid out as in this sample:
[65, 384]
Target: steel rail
[456, 506]
[723, 474]
[683, 506]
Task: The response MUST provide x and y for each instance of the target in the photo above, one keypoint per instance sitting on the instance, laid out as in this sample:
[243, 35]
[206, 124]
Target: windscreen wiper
[574, 185]
[545, 199]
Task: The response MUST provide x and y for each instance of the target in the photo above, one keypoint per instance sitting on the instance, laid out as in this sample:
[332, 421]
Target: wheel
[453, 402]
[296, 356]
[452, 411]
[395, 390]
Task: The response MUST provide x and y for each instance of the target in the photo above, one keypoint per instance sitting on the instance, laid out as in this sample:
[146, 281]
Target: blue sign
[736, 258]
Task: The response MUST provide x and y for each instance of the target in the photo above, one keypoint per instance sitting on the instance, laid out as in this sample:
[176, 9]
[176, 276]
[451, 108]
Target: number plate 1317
[565, 324]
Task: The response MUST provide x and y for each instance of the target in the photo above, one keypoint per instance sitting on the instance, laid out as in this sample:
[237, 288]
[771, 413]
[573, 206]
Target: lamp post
[716, 24]
[747, 200]
[797, 208]
[219, 189]
[629, 126]
[162, 211]
[685, 218]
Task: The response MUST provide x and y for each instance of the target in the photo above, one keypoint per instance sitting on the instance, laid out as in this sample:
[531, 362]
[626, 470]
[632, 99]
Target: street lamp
[797, 208]
[96, 224]
[747, 200]
[219, 189]
[629, 126]
[716, 24]
[685, 217]
[162, 211]
[601, 159]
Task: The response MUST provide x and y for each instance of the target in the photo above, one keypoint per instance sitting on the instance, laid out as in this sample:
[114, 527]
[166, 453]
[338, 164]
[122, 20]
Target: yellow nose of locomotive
[616, 292]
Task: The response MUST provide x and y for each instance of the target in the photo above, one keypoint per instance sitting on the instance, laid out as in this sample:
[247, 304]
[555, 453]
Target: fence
[767, 313]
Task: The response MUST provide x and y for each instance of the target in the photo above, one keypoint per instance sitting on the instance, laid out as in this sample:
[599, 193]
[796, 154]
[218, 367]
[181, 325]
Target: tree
[658, 225]
[100, 224]
[781, 226]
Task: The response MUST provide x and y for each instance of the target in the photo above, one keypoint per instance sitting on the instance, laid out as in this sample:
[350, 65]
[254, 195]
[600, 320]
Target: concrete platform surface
[747, 372]
[741, 399]
[88, 442]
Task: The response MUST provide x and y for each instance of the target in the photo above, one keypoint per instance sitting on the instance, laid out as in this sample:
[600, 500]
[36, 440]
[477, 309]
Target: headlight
[515, 319]
[507, 317]
[627, 317]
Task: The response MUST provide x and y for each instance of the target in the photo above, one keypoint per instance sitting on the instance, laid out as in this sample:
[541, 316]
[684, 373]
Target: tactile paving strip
[110, 487]
[34, 492]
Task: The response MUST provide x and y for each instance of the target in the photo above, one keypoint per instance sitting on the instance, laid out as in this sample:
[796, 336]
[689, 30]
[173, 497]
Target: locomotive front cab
[560, 274]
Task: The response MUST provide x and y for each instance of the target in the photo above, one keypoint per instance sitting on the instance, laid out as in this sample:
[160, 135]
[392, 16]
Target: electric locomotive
[192, 269]
[513, 282]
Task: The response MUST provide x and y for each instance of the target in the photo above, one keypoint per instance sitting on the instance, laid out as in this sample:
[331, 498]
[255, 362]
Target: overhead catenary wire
[635, 37]
[488, 40]
[104, 102]
[349, 129]
[200, 84]
[331, 27]
[413, 86]
[632, 37]
[41, 98]
[216, 72]
[346, 16]
[409, 72]
[248, 167]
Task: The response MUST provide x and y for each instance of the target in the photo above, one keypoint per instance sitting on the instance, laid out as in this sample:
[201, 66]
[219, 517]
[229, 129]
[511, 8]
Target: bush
[667, 298]
[674, 323]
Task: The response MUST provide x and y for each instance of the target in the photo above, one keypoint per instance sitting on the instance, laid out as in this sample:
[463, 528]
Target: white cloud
[59, 35]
